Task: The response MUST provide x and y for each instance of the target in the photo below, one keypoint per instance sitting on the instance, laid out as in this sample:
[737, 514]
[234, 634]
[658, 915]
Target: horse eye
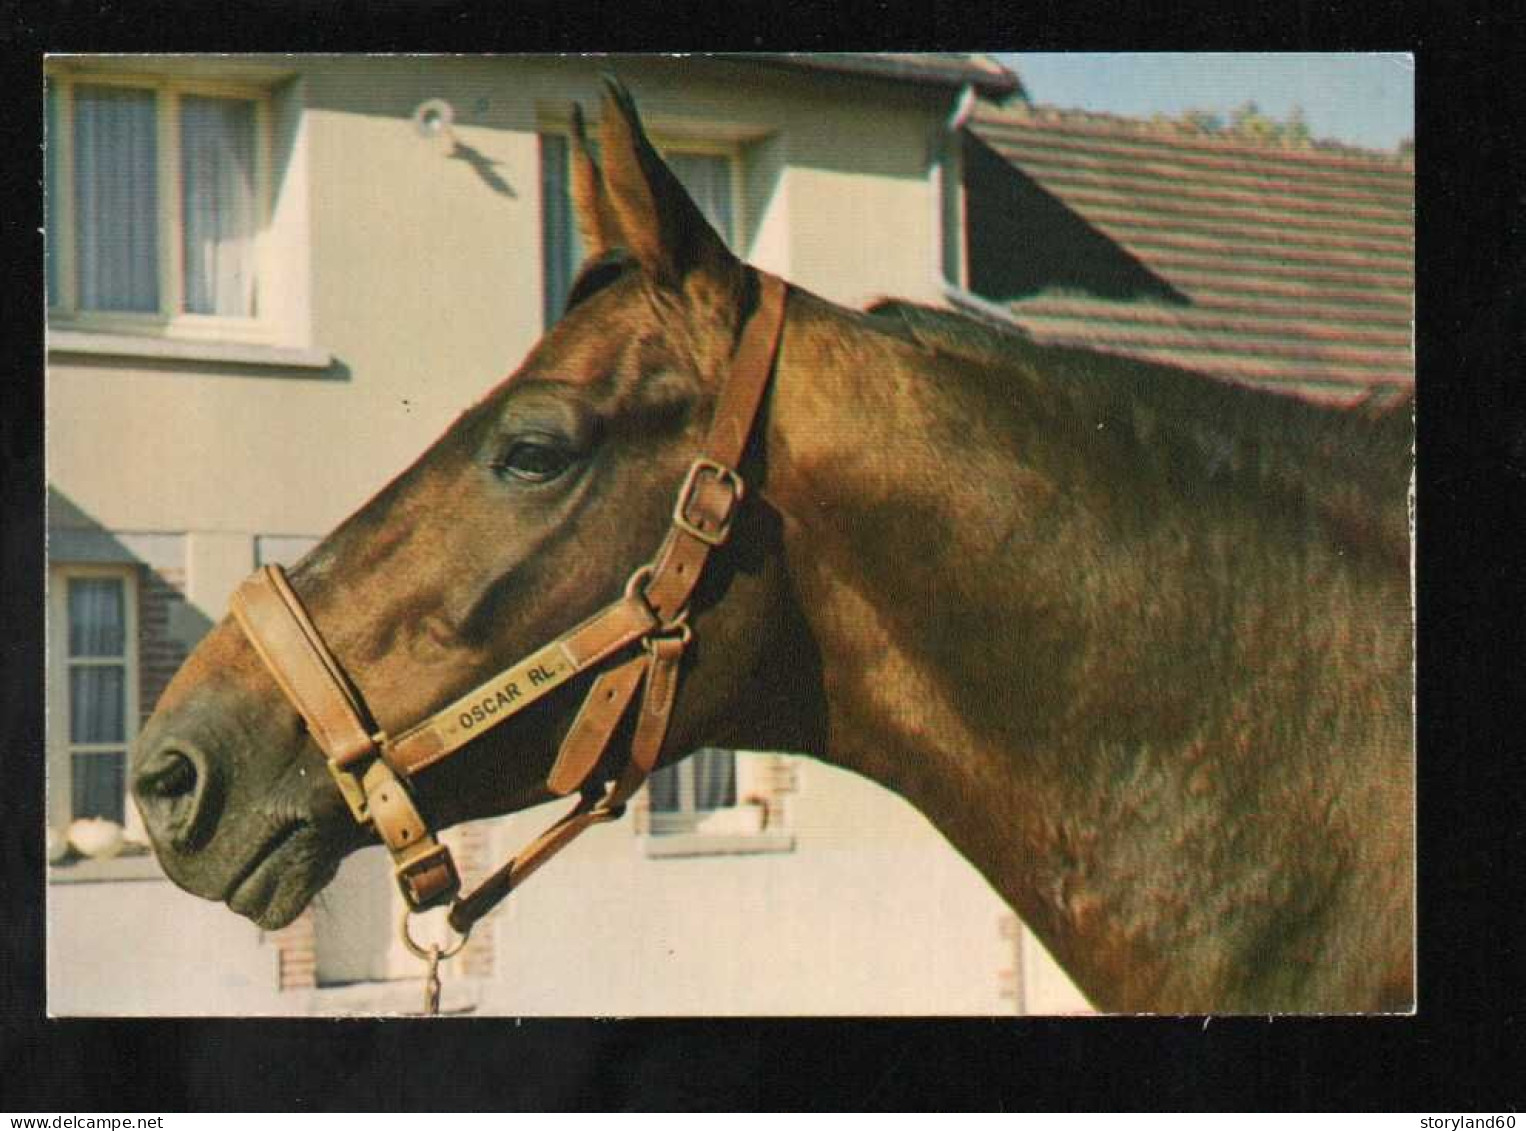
[533, 461]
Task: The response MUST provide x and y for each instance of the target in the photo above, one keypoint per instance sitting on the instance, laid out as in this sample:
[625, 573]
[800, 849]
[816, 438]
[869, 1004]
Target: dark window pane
[715, 779]
[560, 246]
[99, 785]
[663, 790]
[97, 617]
[712, 777]
[97, 704]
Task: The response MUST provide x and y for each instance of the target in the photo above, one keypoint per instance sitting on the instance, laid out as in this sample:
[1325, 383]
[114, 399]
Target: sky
[1358, 98]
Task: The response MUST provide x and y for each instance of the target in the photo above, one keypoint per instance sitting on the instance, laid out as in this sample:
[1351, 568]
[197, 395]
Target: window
[718, 802]
[709, 174]
[93, 694]
[680, 797]
[157, 201]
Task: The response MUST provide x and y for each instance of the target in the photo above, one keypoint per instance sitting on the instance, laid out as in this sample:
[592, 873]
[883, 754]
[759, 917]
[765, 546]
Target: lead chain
[432, 984]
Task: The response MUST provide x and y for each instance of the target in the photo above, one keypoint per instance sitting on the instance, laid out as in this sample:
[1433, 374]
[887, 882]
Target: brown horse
[1138, 643]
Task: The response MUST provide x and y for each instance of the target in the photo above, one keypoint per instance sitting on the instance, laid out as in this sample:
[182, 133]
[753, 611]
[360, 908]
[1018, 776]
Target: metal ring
[420, 952]
[634, 588]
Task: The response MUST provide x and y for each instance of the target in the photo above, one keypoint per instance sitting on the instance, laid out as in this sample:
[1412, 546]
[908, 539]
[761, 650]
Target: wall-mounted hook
[434, 118]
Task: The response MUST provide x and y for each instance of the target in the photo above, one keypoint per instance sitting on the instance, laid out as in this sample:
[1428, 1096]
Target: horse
[1136, 641]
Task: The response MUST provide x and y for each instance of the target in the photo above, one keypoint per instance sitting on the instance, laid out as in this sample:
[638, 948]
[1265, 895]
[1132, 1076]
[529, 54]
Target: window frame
[60, 747]
[678, 833]
[710, 147]
[665, 143]
[685, 819]
[169, 321]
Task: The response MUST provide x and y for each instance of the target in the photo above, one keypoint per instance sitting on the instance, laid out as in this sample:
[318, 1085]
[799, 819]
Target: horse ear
[590, 203]
[659, 224]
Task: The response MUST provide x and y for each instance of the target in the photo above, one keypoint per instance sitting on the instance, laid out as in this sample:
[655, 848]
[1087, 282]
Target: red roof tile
[1281, 266]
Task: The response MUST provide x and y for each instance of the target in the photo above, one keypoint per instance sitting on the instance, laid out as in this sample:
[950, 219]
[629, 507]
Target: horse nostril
[175, 778]
[171, 791]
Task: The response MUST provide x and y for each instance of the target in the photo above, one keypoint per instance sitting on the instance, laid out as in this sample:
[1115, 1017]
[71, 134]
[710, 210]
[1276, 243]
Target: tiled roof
[1275, 265]
[942, 68]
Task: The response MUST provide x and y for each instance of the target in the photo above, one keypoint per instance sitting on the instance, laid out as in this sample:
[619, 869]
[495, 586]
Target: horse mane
[971, 335]
[1350, 465]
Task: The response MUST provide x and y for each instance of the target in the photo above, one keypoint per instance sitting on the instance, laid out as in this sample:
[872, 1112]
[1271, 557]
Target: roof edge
[1024, 113]
[945, 69]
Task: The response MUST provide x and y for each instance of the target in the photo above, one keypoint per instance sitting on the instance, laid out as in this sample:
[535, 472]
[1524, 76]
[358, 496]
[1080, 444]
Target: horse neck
[1079, 698]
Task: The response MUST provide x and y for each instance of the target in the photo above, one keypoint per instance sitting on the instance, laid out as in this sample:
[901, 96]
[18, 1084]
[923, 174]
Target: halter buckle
[720, 474]
[419, 879]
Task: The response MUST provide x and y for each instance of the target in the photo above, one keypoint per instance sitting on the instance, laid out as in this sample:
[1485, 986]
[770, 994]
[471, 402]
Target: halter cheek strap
[286, 639]
[372, 768]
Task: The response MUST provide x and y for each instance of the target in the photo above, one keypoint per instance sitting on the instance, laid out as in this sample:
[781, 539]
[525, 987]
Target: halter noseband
[372, 768]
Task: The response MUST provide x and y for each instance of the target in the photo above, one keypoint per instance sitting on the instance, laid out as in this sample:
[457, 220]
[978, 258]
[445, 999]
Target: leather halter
[372, 768]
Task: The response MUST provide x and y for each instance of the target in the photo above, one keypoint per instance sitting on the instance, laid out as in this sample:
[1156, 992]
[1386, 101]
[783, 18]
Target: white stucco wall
[877, 918]
[145, 948]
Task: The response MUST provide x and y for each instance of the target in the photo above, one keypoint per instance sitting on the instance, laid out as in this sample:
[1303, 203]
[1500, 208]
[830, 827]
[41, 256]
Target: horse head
[537, 508]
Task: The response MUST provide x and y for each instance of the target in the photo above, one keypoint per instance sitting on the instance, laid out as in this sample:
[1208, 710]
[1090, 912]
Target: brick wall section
[781, 778]
[1009, 980]
[472, 845]
[159, 653]
[296, 952]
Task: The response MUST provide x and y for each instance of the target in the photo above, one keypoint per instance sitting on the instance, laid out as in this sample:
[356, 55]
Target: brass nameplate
[488, 704]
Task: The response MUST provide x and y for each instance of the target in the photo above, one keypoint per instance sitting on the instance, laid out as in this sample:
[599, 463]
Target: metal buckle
[722, 474]
[408, 869]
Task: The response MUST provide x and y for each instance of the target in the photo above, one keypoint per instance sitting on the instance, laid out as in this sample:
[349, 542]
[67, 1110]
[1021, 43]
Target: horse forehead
[584, 359]
[594, 342]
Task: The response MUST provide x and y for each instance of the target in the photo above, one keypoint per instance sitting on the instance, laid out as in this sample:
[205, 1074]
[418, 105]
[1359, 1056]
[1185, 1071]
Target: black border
[1464, 1049]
